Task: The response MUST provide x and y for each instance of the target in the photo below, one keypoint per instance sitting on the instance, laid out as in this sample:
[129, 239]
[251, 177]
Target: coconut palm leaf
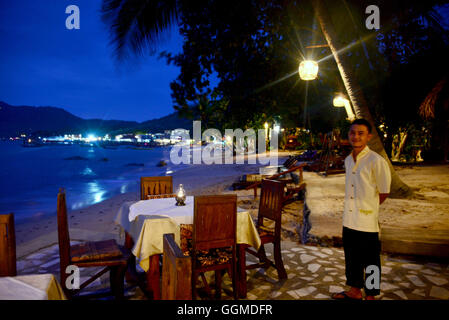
[427, 107]
[138, 26]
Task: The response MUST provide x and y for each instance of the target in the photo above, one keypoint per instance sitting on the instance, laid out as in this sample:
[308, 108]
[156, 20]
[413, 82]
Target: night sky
[42, 63]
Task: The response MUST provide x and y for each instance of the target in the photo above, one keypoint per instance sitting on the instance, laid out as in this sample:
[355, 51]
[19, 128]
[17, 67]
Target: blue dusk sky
[42, 63]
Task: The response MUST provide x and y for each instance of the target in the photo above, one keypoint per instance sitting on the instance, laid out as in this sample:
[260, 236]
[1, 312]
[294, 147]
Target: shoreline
[96, 222]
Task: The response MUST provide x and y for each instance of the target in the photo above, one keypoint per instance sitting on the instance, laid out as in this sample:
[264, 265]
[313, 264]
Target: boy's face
[359, 136]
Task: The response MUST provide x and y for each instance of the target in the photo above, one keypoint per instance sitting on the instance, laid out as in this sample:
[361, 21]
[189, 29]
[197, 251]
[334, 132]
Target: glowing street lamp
[266, 129]
[340, 101]
[266, 132]
[308, 70]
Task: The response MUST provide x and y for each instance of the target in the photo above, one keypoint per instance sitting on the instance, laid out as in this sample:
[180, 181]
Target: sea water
[31, 177]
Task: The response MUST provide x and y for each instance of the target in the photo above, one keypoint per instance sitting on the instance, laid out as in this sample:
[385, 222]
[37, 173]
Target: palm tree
[137, 26]
[355, 93]
[438, 97]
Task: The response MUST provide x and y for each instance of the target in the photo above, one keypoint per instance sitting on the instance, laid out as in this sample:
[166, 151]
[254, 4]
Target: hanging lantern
[308, 70]
[180, 196]
[340, 101]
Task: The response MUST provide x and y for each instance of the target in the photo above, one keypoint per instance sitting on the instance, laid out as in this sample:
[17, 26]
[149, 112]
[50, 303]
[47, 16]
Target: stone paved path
[313, 273]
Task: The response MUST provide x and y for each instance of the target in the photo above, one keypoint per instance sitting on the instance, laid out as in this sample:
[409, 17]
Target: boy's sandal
[343, 296]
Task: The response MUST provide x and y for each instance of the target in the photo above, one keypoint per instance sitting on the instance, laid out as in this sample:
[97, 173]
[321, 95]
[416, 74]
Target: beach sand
[427, 211]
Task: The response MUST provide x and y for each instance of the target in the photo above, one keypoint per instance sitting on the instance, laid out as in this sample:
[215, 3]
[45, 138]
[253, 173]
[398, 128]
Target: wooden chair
[213, 243]
[150, 188]
[270, 207]
[7, 246]
[105, 254]
[176, 272]
[155, 186]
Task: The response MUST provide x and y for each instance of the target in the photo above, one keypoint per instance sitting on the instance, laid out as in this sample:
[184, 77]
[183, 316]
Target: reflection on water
[31, 177]
[88, 172]
[96, 193]
[124, 188]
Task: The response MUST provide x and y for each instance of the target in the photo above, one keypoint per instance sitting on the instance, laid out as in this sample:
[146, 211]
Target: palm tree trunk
[355, 93]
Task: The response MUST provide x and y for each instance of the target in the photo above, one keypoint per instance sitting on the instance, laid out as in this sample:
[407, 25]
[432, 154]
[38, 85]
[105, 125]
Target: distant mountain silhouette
[15, 120]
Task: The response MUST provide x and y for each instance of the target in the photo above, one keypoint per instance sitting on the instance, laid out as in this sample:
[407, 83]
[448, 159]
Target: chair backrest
[290, 162]
[214, 222]
[176, 272]
[63, 235]
[155, 185]
[7, 246]
[270, 205]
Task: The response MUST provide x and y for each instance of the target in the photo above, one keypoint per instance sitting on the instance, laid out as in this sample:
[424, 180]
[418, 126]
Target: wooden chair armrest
[177, 271]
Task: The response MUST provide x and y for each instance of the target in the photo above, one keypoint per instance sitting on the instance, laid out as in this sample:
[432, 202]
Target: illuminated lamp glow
[308, 70]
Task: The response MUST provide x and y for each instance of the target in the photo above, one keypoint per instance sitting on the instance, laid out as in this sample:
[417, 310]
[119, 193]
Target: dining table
[146, 221]
[31, 287]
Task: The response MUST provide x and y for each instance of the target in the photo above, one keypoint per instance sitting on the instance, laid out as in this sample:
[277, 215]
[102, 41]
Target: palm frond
[138, 26]
[427, 107]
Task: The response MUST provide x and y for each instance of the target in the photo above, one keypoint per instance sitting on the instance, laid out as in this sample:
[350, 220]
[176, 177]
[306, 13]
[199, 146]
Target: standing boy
[367, 186]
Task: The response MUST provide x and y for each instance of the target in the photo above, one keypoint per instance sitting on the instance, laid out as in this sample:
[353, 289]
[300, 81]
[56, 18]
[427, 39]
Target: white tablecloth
[31, 287]
[165, 207]
[156, 217]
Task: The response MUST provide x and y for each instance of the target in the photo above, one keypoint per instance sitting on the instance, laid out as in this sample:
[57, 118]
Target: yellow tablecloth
[31, 287]
[147, 230]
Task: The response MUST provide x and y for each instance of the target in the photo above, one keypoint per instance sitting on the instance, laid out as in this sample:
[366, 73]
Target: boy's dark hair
[364, 123]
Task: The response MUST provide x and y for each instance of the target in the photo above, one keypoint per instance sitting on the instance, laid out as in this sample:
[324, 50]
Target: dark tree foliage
[253, 49]
[240, 58]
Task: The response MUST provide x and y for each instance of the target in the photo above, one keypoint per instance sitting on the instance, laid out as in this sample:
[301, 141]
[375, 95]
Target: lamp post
[340, 101]
[308, 70]
[266, 134]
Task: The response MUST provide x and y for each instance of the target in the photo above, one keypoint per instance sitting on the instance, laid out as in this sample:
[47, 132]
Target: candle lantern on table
[180, 196]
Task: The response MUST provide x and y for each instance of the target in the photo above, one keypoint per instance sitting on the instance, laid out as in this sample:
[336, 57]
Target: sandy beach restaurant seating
[105, 254]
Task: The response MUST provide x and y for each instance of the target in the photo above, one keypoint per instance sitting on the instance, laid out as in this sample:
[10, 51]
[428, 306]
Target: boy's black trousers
[361, 250]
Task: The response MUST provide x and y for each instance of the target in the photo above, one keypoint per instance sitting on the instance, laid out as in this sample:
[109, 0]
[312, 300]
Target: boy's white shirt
[365, 179]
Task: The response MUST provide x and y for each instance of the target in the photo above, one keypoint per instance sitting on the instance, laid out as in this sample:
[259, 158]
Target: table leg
[241, 271]
[153, 277]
